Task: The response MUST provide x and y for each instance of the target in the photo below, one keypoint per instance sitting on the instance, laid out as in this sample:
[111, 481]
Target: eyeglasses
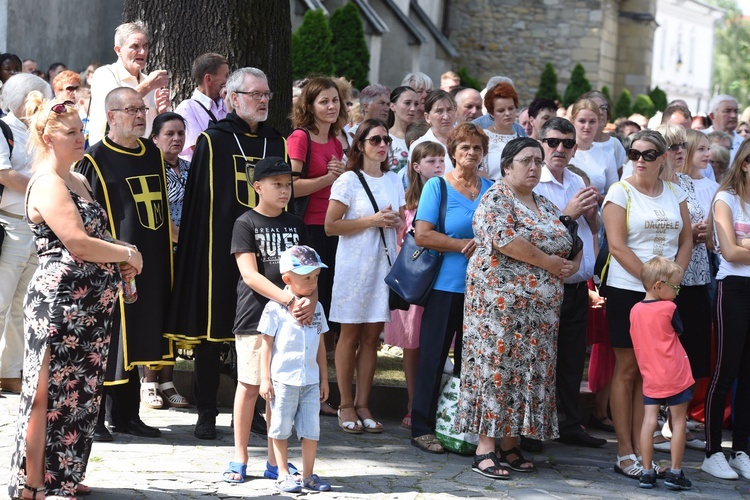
[375, 140]
[256, 95]
[528, 160]
[676, 288]
[132, 111]
[648, 155]
[677, 146]
[554, 142]
[59, 108]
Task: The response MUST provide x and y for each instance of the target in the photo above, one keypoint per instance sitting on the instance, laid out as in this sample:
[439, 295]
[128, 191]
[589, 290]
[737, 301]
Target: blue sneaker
[677, 482]
[272, 471]
[289, 485]
[314, 483]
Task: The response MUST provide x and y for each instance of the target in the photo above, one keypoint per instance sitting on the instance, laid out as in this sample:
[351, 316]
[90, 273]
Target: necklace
[473, 191]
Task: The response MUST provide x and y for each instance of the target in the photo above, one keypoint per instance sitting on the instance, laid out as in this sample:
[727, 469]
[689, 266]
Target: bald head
[118, 96]
[468, 105]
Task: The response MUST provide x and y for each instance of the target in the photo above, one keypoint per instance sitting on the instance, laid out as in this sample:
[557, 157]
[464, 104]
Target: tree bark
[247, 32]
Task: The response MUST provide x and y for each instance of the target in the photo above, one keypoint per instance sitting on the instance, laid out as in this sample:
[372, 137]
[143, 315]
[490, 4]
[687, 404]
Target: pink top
[319, 157]
[662, 360]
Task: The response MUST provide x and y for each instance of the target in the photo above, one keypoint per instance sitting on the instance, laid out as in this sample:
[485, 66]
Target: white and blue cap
[300, 259]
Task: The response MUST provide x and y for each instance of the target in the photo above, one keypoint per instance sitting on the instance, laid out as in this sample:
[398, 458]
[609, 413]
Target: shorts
[248, 358]
[675, 400]
[298, 405]
[619, 304]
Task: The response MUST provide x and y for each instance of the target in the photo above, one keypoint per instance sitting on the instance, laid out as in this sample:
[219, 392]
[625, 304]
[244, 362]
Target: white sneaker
[741, 463]
[717, 466]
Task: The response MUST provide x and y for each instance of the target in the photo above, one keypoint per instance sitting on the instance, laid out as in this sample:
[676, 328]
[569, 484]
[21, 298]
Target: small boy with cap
[259, 237]
[294, 371]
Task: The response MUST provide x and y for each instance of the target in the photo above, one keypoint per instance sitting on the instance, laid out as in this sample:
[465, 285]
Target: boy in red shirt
[664, 366]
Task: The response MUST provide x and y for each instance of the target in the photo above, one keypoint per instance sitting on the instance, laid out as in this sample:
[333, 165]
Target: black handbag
[416, 268]
[601, 266]
[572, 227]
[299, 205]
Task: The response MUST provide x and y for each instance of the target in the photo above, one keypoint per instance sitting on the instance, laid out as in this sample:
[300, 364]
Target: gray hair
[115, 97]
[673, 134]
[497, 79]
[418, 80]
[714, 104]
[126, 30]
[237, 78]
[368, 94]
[652, 136]
[18, 87]
[559, 124]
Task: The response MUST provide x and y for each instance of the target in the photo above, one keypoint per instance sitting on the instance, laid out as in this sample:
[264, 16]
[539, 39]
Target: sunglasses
[648, 155]
[59, 108]
[375, 140]
[677, 146]
[676, 288]
[554, 143]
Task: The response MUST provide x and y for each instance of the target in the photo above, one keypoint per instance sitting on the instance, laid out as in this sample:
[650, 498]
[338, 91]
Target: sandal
[370, 425]
[406, 421]
[428, 443]
[150, 395]
[175, 399]
[494, 471]
[33, 491]
[82, 490]
[633, 470]
[237, 468]
[516, 464]
[349, 426]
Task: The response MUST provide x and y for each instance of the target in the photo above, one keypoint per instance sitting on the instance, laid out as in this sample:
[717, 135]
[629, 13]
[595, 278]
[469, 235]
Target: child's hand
[596, 301]
[303, 310]
[323, 390]
[266, 389]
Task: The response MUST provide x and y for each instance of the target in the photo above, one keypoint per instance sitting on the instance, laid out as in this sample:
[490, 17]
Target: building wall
[76, 33]
[683, 51]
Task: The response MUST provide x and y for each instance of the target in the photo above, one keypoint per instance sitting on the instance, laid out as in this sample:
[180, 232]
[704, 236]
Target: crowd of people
[558, 230]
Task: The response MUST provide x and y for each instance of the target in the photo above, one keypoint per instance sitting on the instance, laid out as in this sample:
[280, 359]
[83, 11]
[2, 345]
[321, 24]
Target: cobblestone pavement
[177, 466]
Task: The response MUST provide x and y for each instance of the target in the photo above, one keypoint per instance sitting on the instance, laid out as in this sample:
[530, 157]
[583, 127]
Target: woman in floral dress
[68, 311]
[514, 289]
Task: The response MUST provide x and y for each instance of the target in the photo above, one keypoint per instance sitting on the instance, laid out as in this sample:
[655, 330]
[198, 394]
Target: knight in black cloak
[204, 300]
[127, 178]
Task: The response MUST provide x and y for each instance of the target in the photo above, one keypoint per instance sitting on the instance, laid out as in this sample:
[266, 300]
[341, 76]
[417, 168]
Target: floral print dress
[511, 314]
[68, 309]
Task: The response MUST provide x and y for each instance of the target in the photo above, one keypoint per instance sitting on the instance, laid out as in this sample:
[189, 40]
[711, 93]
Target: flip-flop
[406, 422]
[235, 468]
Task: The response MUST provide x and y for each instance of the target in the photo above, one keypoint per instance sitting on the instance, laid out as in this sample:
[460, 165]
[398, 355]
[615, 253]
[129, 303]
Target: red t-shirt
[319, 157]
[662, 360]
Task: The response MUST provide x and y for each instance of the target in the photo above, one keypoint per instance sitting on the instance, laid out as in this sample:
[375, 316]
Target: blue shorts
[298, 405]
[675, 400]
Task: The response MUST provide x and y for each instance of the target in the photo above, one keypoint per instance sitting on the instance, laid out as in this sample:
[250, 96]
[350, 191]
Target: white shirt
[741, 222]
[430, 136]
[197, 119]
[599, 163]
[295, 347]
[105, 79]
[560, 195]
[705, 189]
[20, 161]
[654, 225]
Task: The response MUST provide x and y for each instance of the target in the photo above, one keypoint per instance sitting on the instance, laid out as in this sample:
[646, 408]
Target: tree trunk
[247, 32]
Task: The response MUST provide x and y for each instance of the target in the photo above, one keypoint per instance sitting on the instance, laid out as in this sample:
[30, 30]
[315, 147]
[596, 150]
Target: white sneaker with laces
[717, 466]
[741, 463]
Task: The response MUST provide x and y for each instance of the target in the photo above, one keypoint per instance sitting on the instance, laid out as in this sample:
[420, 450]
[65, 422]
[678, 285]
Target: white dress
[491, 163]
[359, 293]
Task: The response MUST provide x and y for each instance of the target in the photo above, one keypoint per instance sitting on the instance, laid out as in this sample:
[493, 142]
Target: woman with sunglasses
[359, 300]
[443, 314]
[68, 310]
[599, 163]
[321, 114]
[644, 217]
[729, 230]
[693, 300]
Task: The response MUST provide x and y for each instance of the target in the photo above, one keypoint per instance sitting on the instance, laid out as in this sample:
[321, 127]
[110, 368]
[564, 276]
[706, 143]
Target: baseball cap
[300, 259]
[270, 166]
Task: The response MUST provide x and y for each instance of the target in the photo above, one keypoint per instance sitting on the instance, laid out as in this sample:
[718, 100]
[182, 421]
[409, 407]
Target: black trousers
[207, 367]
[571, 356]
[732, 362]
[121, 402]
[443, 316]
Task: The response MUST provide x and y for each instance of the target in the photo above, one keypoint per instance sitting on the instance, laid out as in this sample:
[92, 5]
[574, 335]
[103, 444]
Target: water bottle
[129, 291]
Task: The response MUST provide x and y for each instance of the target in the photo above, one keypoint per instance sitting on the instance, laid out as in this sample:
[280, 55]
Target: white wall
[686, 34]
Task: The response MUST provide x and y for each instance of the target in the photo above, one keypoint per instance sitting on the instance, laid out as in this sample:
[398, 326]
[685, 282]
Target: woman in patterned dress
[68, 311]
[514, 289]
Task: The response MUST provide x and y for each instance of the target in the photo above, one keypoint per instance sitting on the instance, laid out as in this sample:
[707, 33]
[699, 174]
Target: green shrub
[548, 84]
[644, 106]
[623, 105]
[605, 91]
[467, 80]
[312, 52]
[578, 85]
[351, 57]
[659, 98]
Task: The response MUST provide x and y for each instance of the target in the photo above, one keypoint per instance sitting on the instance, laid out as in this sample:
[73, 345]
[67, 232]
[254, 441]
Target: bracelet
[291, 301]
[130, 254]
